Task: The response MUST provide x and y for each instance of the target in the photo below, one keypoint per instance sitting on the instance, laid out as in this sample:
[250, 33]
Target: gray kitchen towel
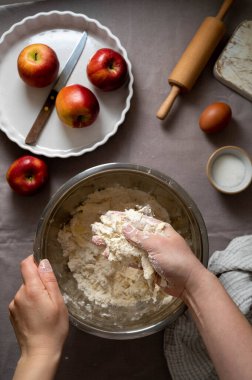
[184, 349]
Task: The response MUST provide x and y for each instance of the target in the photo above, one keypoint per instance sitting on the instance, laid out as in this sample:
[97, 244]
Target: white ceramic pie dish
[20, 104]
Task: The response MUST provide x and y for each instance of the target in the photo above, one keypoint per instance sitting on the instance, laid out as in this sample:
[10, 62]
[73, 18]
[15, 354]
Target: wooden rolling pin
[195, 57]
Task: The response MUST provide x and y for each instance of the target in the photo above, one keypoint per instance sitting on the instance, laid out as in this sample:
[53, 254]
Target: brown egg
[215, 117]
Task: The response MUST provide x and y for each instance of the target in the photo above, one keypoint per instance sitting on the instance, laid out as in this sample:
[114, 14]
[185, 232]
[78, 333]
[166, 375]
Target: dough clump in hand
[109, 232]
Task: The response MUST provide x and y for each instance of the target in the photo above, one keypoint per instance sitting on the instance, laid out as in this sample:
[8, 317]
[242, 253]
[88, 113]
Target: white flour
[228, 170]
[110, 283]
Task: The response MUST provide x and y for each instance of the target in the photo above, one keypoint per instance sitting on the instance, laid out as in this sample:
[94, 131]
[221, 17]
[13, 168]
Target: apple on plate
[27, 175]
[77, 106]
[38, 65]
[107, 69]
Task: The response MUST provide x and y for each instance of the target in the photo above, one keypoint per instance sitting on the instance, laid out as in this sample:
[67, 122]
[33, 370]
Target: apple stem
[111, 65]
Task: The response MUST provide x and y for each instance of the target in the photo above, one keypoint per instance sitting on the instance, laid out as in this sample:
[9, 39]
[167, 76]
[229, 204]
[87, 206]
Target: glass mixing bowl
[184, 215]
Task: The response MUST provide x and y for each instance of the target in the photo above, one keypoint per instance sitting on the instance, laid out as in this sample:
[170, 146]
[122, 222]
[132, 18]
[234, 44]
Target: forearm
[36, 367]
[225, 331]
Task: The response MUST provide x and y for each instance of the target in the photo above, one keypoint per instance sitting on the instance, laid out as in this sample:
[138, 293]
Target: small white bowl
[229, 169]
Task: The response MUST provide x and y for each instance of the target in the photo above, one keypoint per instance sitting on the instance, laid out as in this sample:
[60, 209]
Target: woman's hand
[168, 253]
[39, 316]
[225, 331]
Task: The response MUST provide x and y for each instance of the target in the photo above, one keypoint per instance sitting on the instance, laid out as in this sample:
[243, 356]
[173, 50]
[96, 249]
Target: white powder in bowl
[228, 170]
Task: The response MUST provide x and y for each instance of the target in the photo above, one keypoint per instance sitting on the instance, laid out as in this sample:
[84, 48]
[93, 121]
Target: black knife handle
[42, 118]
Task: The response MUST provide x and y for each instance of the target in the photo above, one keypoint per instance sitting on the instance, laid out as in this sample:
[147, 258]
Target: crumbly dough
[111, 283]
[109, 232]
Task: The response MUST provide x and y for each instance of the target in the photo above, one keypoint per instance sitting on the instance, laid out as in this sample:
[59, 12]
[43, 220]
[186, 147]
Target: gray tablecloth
[154, 34]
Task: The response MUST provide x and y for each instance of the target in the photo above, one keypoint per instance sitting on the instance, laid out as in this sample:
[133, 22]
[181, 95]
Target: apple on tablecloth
[107, 69]
[38, 65]
[27, 175]
[77, 106]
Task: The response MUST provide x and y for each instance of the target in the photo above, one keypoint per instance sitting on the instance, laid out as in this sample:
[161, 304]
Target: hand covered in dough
[108, 233]
[169, 254]
[113, 221]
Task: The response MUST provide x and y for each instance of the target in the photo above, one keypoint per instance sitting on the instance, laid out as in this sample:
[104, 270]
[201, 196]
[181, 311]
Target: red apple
[107, 70]
[27, 175]
[38, 65]
[77, 106]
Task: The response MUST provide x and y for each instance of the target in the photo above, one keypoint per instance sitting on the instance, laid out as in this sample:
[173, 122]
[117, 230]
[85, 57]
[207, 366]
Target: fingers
[141, 239]
[49, 280]
[133, 234]
[145, 239]
[145, 222]
[99, 241]
[41, 277]
[29, 273]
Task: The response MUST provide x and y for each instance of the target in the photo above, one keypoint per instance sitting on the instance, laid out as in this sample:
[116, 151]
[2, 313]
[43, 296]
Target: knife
[48, 106]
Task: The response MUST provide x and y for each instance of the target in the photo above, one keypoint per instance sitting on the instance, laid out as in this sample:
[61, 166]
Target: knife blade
[48, 105]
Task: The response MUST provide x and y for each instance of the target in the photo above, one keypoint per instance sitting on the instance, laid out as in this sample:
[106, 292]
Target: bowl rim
[108, 167]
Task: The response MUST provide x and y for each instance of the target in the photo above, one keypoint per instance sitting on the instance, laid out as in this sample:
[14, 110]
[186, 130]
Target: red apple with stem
[107, 69]
[27, 175]
[38, 65]
[77, 106]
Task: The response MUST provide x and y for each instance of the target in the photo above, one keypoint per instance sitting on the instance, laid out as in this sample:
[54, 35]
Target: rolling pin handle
[223, 9]
[168, 102]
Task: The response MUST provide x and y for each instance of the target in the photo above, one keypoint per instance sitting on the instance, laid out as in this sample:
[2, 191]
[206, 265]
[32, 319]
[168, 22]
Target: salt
[228, 170]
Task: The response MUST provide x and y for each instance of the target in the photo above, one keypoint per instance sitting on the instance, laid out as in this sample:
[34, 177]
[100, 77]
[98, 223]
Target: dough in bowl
[112, 283]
